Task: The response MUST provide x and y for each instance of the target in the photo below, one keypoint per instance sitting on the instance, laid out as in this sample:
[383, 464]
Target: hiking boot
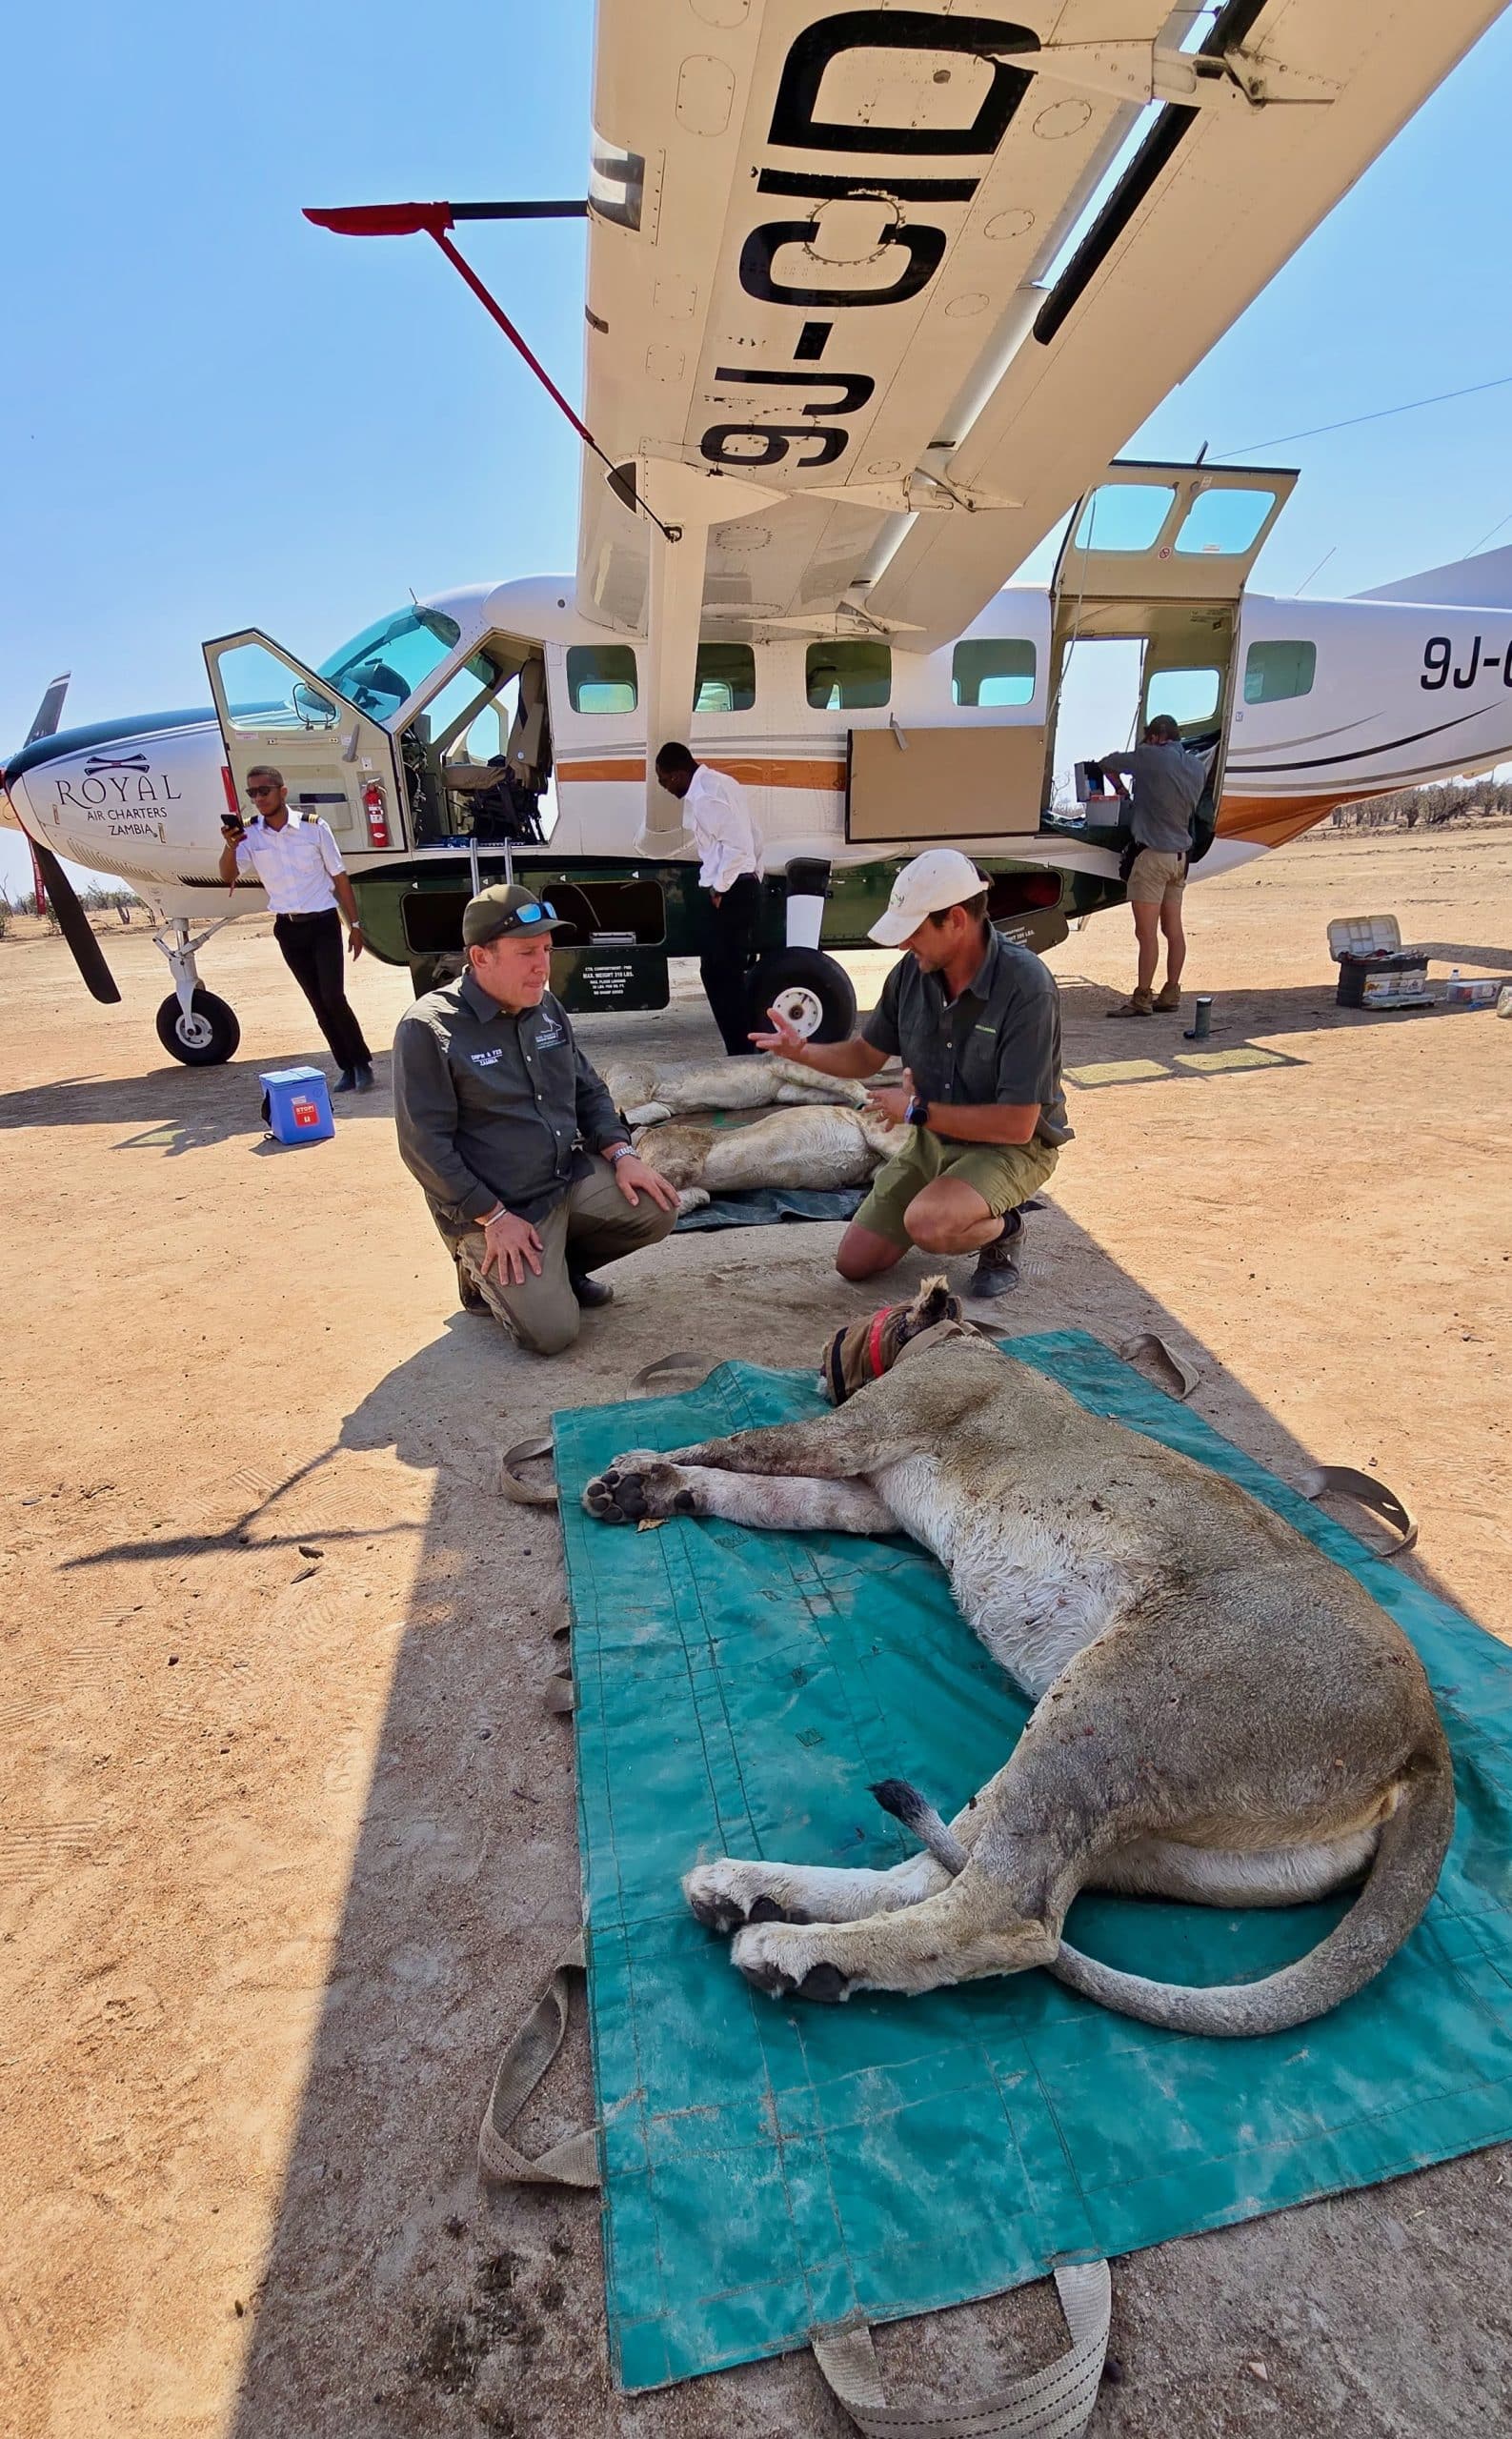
[996, 1272]
[590, 1293]
[1139, 1003]
[1168, 1002]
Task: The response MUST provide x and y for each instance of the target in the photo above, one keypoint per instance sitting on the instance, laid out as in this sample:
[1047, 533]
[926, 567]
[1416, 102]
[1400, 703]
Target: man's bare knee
[938, 1224]
[861, 1255]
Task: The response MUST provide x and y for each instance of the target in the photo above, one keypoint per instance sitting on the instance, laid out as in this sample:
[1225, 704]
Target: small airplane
[874, 298]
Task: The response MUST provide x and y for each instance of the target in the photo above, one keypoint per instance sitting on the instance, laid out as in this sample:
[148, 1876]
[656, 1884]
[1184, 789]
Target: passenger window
[601, 678]
[1220, 524]
[1125, 516]
[848, 677]
[987, 674]
[1277, 672]
[1185, 695]
[725, 678]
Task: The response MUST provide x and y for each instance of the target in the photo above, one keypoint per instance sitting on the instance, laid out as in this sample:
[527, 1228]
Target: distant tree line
[1426, 807]
[100, 897]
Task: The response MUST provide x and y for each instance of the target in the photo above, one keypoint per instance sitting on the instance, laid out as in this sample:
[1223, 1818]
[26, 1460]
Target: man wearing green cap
[526, 1165]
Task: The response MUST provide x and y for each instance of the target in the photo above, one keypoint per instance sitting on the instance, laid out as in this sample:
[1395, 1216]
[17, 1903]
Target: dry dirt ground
[289, 1836]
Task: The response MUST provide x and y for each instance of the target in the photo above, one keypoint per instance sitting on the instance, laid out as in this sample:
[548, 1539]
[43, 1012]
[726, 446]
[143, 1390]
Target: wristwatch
[617, 1152]
[917, 1113]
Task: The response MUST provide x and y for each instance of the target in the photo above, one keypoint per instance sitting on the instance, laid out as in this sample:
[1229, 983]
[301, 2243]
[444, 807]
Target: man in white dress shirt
[730, 848]
[299, 865]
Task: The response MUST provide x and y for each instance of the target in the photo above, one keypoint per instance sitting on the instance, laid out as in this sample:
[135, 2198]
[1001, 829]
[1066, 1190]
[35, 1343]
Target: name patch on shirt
[484, 1058]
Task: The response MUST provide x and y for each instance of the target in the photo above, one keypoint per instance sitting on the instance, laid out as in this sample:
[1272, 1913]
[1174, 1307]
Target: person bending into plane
[976, 1021]
[1168, 782]
[526, 1165]
[729, 847]
[299, 865]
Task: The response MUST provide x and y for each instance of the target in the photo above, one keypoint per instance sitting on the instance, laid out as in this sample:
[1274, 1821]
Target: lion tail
[1409, 1856]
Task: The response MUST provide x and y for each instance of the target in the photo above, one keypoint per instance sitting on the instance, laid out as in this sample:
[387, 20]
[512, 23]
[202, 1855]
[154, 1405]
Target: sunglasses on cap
[525, 918]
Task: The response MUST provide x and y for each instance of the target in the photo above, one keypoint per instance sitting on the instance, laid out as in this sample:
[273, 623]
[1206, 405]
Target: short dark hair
[266, 771]
[976, 907]
[1165, 728]
[675, 758]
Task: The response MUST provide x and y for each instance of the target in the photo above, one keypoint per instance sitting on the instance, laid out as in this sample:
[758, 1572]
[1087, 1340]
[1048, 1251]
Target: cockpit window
[379, 669]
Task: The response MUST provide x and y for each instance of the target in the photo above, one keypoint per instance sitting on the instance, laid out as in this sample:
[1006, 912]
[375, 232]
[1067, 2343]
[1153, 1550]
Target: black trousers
[311, 947]
[727, 952]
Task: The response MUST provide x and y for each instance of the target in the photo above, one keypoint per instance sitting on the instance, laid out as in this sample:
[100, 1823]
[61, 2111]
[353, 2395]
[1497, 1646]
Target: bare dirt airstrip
[289, 1836]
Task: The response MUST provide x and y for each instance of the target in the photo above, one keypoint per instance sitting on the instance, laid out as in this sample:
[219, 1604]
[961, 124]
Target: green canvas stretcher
[771, 2168]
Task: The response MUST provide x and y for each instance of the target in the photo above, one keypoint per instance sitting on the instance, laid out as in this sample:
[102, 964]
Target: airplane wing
[875, 292]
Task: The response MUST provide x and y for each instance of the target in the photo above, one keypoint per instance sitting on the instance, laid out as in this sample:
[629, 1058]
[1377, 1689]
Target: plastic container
[296, 1106]
[1472, 990]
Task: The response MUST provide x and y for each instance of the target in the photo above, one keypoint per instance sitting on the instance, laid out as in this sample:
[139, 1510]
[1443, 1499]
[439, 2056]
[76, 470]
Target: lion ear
[933, 1303]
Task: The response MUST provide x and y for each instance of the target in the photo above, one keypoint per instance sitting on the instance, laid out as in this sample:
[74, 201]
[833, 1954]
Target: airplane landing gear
[193, 1025]
[203, 1035]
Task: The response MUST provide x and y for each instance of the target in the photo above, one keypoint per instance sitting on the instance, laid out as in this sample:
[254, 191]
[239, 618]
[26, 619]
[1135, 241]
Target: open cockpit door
[1155, 560]
[337, 761]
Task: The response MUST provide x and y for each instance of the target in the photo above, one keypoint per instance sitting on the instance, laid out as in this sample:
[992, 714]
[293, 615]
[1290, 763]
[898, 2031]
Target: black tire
[823, 1000]
[215, 1030]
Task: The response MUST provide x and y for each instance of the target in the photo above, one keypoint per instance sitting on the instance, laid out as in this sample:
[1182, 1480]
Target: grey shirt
[998, 1042]
[1168, 782]
[493, 1108]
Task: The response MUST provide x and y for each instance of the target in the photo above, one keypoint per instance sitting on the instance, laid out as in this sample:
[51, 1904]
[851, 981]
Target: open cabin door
[1158, 557]
[337, 761]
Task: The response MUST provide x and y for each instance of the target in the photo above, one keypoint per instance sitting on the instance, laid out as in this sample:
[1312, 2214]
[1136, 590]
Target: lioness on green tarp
[771, 2168]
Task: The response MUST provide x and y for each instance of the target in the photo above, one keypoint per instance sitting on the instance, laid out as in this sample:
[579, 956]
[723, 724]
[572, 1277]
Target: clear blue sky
[213, 416]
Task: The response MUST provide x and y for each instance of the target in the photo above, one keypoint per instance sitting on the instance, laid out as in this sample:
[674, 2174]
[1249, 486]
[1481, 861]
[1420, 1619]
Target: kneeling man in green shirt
[976, 1021]
[525, 1161]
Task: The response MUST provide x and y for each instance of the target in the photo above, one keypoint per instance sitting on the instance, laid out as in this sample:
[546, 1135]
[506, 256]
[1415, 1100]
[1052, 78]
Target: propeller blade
[50, 711]
[75, 925]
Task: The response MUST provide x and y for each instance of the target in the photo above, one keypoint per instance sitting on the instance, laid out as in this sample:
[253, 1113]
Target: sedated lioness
[1223, 1714]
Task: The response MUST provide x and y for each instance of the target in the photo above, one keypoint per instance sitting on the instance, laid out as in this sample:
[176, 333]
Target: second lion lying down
[1223, 1714]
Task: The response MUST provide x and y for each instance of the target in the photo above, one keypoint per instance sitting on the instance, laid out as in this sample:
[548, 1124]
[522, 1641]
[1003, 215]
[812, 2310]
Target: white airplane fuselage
[1400, 693]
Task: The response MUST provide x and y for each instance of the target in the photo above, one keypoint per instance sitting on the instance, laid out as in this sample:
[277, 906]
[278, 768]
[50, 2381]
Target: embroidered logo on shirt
[551, 1036]
[485, 1058]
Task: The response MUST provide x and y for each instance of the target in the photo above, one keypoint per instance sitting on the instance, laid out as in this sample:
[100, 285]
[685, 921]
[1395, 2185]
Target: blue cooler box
[296, 1106]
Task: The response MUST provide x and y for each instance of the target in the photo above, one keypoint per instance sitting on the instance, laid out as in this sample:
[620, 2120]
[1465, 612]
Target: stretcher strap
[526, 1494]
[573, 2160]
[1347, 1482]
[1146, 1342]
[1053, 2404]
[656, 1376]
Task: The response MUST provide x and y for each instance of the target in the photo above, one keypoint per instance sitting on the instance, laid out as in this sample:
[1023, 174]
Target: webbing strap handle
[655, 1376]
[573, 2160]
[524, 1451]
[1150, 1342]
[1053, 2404]
[1347, 1482]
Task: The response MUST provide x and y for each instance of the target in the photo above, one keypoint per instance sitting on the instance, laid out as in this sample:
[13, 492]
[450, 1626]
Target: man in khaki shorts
[976, 1021]
[1168, 783]
[526, 1163]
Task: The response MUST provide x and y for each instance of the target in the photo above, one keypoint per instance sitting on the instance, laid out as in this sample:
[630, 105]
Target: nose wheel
[204, 1035]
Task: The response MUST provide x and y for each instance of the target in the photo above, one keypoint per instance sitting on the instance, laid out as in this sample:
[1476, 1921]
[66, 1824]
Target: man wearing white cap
[976, 1021]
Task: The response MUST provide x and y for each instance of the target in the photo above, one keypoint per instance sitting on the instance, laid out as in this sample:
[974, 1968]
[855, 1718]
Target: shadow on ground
[394, 2301]
[179, 1109]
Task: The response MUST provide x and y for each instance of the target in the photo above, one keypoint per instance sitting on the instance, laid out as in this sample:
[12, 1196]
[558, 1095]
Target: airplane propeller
[54, 882]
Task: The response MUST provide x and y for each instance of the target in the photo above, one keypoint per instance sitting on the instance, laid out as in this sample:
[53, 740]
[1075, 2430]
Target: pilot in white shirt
[300, 866]
[731, 846]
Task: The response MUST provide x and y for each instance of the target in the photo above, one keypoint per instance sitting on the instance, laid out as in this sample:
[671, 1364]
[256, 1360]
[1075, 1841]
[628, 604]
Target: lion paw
[636, 1486]
[786, 1963]
[726, 1896]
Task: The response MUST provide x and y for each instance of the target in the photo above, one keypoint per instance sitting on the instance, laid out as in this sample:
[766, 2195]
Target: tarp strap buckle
[573, 2160]
[1053, 2404]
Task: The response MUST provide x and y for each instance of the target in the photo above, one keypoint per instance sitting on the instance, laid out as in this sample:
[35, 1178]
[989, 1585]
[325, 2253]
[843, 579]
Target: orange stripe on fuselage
[744, 768]
[1270, 821]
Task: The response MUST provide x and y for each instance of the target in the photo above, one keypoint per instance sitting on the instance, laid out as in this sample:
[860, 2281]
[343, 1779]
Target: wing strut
[433, 220]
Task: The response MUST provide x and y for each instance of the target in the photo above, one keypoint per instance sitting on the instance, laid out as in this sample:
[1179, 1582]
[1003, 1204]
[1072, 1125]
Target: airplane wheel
[206, 1037]
[809, 989]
